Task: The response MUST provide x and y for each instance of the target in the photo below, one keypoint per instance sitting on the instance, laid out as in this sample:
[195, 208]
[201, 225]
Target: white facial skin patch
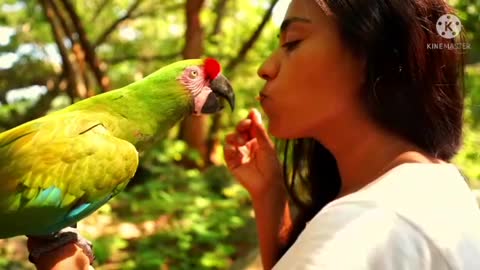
[200, 99]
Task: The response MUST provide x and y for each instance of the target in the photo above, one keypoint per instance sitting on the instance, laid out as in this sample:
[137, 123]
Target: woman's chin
[282, 133]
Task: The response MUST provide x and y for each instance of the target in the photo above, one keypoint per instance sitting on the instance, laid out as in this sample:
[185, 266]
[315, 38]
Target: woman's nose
[269, 69]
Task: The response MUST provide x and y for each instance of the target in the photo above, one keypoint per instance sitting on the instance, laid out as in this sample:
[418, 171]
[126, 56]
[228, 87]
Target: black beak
[221, 88]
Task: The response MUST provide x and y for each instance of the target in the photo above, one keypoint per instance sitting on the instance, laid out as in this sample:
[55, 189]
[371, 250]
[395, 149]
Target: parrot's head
[203, 79]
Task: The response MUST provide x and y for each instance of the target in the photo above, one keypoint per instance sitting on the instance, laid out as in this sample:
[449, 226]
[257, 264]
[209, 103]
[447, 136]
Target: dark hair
[410, 89]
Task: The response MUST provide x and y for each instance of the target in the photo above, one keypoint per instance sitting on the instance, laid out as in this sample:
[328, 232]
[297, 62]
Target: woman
[372, 117]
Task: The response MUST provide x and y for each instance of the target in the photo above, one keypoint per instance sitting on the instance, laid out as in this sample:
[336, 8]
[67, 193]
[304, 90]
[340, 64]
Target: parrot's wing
[50, 174]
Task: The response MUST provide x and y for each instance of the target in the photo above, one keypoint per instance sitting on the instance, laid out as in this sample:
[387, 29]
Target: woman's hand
[69, 257]
[251, 157]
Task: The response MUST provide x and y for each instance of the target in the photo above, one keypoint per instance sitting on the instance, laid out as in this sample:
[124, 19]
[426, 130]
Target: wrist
[275, 195]
[269, 185]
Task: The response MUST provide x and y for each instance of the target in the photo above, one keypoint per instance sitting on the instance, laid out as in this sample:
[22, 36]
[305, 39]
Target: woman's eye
[291, 45]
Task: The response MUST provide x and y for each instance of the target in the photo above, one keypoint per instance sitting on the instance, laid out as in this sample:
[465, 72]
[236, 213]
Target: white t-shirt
[415, 217]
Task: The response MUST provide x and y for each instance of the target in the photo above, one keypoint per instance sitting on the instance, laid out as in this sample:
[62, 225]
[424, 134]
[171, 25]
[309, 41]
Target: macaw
[60, 168]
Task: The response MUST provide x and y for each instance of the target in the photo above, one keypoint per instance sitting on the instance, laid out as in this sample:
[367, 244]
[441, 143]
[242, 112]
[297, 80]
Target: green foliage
[202, 212]
[472, 103]
[469, 13]
[469, 158]
[107, 245]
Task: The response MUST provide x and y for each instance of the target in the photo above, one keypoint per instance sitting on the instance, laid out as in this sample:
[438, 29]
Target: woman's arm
[273, 220]
[251, 157]
[68, 257]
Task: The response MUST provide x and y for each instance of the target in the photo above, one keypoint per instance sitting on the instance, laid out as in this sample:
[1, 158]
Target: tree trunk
[87, 50]
[194, 129]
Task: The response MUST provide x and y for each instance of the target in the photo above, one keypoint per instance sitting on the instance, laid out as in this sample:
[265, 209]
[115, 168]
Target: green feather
[60, 168]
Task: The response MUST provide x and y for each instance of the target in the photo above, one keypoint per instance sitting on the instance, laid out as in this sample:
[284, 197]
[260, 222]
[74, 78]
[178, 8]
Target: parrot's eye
[193, 74]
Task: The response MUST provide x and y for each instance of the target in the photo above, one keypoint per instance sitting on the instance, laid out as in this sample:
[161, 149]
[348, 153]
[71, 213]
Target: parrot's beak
[221, 88]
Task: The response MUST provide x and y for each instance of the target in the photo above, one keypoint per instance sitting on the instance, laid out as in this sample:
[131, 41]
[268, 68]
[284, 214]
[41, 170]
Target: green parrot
[60, 168]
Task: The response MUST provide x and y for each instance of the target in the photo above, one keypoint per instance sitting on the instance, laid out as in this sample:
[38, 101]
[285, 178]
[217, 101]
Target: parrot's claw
[65, 236]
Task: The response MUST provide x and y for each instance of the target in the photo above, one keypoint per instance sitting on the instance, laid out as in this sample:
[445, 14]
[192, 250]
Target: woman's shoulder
[416, 190]
[361, 235]
[369, 236]
[425, 212]
[434, 199]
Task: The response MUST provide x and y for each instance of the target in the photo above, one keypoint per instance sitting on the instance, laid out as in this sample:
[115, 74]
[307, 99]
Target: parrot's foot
[65, 236]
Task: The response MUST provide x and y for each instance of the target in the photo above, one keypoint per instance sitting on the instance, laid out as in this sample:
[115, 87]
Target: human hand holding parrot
[58, 169]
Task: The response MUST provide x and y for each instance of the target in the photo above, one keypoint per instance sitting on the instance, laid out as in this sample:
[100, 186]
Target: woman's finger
[244, 129]
[231, 139]
[232, 156]
[244, 125]
[257, 129]
[236, 139]
[230, 149]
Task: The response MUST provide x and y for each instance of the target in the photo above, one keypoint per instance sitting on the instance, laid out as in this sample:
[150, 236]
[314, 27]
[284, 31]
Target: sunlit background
[182, 210]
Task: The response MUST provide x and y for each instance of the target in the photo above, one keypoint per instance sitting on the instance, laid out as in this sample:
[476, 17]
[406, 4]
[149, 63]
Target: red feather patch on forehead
[212, 68]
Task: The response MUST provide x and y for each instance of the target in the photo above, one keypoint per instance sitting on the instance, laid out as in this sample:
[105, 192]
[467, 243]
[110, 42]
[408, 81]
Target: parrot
[60, 168]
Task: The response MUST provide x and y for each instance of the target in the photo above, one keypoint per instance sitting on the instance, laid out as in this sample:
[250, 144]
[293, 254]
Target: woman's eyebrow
[287, 22]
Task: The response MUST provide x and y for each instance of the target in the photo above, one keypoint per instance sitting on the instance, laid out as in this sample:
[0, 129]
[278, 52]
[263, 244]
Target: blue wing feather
[51, 196]
[79, 212]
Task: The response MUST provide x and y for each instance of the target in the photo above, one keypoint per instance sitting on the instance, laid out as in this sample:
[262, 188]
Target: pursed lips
[262, 96]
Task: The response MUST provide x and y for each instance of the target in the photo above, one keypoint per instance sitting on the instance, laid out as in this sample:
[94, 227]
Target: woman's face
[311, 79]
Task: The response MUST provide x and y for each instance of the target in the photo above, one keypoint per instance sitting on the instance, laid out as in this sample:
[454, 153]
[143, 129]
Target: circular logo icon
[449, 26]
